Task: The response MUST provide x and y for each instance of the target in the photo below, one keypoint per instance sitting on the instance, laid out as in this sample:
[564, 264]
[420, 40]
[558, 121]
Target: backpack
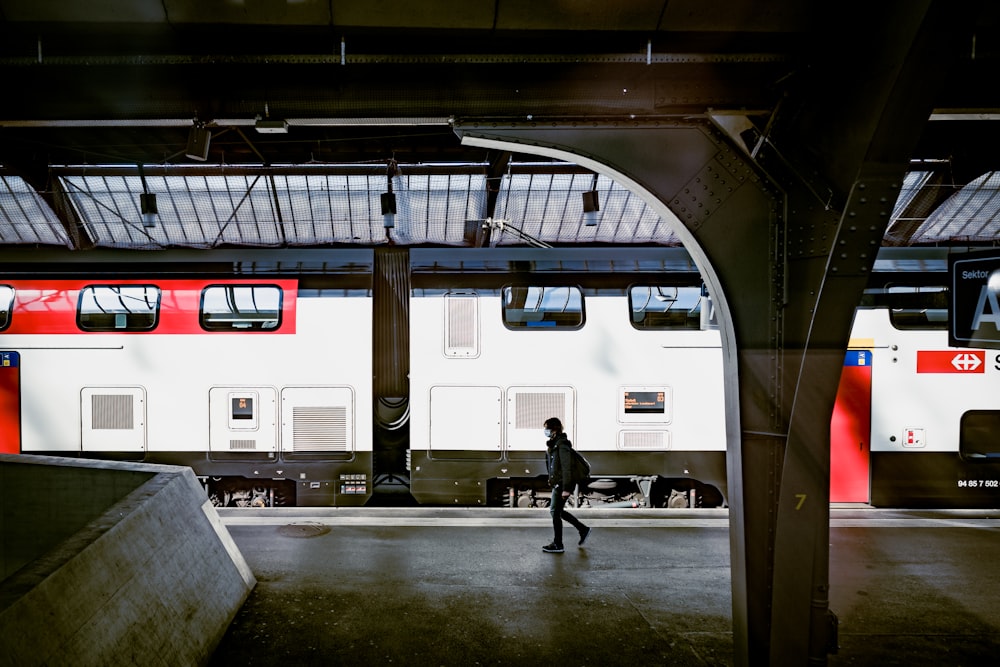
[581, 469]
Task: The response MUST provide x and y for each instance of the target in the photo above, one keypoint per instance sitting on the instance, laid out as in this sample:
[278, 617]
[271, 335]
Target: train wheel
[526, 499]
[677, 499]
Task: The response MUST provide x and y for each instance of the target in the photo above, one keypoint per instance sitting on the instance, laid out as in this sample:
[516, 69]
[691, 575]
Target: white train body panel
[468, 402]
[916, 407]
[174, 375]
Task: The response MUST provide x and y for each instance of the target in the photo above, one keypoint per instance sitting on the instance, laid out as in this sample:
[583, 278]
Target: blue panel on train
[858, 358]
[9, 359]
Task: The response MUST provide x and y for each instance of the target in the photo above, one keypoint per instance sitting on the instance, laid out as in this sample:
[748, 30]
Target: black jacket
[559, 460]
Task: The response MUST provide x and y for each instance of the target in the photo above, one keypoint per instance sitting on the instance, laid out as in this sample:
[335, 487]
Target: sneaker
[584, 534]
[553, 548]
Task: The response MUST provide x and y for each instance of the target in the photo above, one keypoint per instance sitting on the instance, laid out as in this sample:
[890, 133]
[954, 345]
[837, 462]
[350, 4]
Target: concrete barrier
[108, 563]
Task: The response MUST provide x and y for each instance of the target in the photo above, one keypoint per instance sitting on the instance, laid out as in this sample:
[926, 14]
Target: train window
[6, 305]
[240, 307]
[542, 307]
[911, 307]
[659, 307]
[977, 439]
[118, 308]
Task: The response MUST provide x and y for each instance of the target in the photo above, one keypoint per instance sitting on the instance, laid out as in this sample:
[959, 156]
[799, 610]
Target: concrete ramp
[106, 563]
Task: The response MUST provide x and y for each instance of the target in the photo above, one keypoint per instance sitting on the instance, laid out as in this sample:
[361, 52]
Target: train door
[465, 423]
[850, 431]
[10, 403]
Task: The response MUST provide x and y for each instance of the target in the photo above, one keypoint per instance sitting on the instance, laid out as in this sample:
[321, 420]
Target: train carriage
[332, 377]
[615, 347]
[260, 384]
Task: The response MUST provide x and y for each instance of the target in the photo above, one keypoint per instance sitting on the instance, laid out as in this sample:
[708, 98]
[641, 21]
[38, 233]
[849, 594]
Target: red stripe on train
[49, 306]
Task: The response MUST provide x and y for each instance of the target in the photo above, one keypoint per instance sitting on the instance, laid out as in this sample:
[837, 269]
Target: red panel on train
[951, 361]
[10, 402]
[850, 447]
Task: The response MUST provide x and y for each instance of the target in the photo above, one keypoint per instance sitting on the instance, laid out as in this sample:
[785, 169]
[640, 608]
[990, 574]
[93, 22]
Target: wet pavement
[473, 587]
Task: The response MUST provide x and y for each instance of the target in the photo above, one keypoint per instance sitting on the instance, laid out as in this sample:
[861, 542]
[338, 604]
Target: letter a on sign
[987, 310]
[974, 299]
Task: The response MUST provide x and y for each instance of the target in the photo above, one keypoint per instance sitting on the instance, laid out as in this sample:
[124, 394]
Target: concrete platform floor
[651, 587]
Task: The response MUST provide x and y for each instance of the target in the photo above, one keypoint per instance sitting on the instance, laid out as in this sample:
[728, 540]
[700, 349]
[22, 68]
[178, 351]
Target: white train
[326, 377]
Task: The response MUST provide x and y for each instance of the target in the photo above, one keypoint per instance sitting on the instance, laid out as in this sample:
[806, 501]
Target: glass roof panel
[970, 215]
[433, 208]
[25, 217]
[913, 182]
[261, 206]
[549, 207]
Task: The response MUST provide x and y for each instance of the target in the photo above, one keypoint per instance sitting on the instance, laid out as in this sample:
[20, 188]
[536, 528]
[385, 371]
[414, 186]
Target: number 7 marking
[802, 500]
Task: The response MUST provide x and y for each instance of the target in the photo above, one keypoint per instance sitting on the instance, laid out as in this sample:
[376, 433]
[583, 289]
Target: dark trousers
[559, 514]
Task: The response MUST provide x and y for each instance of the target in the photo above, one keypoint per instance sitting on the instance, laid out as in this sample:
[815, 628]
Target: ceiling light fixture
[267, 126]
[147, 203]
[591, 205]
[388, 198]
[198, 140]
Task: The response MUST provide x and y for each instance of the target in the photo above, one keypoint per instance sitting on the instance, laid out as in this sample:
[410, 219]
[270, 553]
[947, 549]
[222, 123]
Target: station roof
[274, 123]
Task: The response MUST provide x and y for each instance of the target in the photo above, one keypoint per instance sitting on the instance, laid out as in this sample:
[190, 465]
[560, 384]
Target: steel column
[784, 241]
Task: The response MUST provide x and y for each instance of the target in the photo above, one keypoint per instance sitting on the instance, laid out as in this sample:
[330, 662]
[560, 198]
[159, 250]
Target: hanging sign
[975, 300]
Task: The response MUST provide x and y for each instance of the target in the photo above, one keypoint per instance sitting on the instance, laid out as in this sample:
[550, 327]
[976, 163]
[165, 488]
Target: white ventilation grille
[644, 440]
[461, 325]
[319, 429]
[243, 445]
[531, 409]
[111, 412]
[113, 419]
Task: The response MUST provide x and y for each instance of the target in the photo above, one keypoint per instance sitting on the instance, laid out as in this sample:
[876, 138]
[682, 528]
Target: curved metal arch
[643, 168]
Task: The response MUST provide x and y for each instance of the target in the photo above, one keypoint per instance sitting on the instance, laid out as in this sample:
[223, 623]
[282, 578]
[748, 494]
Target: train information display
[645, 403]
[243, 408]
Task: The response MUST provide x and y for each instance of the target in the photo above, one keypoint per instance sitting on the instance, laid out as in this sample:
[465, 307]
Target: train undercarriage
[243, 492]
[608, 492]
[604, 492]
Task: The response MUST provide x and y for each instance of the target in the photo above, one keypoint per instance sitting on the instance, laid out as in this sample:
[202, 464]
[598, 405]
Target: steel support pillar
[784, 233]
[731, 219]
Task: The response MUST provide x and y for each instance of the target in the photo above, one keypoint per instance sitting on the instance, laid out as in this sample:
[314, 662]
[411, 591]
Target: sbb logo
[949, 361]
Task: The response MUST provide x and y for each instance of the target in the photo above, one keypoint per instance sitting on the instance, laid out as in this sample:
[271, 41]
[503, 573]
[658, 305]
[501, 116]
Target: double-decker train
[325, 377]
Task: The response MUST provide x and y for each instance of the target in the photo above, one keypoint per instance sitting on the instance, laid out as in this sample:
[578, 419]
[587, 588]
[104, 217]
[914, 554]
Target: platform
[109, 563]
[473, 587]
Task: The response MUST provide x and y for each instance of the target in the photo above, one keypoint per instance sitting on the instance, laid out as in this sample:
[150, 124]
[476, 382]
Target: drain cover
[303, 530]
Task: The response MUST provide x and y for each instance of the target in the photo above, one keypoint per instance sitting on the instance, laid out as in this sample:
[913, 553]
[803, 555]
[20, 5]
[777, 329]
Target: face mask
[548, 433]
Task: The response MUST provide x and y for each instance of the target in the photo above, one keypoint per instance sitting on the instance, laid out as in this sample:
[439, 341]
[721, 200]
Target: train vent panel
[317, 420]
[644, 440]
[243, 445]
[114, 419]
[461, 326]
[529, 407]
[319, 428]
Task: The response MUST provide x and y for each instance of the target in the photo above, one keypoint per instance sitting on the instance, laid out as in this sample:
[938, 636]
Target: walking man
[559, 459]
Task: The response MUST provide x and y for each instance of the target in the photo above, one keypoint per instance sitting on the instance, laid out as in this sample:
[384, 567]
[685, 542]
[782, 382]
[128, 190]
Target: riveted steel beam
[730, 220]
